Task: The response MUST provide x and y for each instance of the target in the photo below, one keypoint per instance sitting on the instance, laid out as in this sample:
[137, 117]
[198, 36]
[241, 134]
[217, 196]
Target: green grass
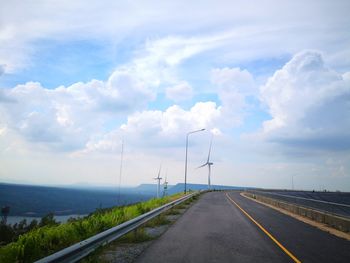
[136, 236]
[158, 221]
[181, 206]
[46, 240]
[173, 211]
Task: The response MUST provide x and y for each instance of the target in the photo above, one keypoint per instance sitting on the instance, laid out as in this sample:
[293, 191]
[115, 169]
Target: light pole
[186, 156]
[120, 170]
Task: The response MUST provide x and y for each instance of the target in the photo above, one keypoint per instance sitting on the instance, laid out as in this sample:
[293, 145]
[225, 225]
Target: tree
[48, 220]
[33, 224]
[7, 234]
[4, 213]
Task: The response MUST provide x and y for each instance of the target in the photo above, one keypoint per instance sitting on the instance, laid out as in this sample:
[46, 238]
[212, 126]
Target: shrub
[51, 237]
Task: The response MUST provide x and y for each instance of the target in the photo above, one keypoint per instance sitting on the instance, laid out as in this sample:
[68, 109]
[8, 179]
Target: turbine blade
[202, 165]
[160, 168]
[211, 141]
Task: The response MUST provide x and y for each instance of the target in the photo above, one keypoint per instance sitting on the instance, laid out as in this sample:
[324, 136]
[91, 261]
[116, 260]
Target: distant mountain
[148, 188]
[196, 187]
[29, 200]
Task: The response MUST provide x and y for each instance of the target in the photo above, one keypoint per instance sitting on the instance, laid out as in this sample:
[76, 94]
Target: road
[214, 229]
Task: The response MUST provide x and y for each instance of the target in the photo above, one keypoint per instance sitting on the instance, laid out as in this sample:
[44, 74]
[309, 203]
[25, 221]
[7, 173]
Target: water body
[11, 220]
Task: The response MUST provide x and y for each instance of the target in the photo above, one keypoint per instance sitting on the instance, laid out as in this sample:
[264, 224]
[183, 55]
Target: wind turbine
[158, 178]
[208, 163]
[165, 185]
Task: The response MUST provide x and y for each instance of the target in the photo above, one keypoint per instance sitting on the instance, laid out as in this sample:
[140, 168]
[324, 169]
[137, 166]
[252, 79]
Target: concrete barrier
[337, 222]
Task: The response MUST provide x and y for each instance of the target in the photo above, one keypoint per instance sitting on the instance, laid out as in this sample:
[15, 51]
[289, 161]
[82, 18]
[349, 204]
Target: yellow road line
[265, 231]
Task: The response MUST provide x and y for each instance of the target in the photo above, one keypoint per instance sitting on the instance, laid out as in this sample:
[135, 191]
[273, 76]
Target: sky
[269, 81]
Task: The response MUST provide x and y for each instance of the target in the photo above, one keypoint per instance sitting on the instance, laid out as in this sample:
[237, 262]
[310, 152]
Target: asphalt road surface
[214, 229]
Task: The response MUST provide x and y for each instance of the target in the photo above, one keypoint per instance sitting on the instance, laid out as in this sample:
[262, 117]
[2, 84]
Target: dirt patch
[123, 253]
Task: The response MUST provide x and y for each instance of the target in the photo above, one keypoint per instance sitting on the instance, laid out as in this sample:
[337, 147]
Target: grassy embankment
[44, 241]
[139, 235]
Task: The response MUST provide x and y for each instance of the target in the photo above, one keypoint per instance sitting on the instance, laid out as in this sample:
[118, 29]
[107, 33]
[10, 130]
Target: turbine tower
[165, 186]
[158, 178]
[208, 163]
[120, 170]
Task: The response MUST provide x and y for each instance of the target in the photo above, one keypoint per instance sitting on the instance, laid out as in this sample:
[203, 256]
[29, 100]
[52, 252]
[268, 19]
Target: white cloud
[179, 92]
[168, 127]
[253, 34]
[71, 118]
[233, 86]
[233, 79]
[2, 69]
[158, 60]
[127, 90]
[24, 24]
[165, 44]
[158, 135]
[308, 103]
[109, 142]
[66, 117]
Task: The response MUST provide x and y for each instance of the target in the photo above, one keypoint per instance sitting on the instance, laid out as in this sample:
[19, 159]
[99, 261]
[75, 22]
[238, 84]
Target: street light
[186, 156]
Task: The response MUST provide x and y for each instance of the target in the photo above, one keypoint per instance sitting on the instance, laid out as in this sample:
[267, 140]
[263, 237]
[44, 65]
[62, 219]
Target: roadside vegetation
[44, 240]
[11, 233]
[134, 240]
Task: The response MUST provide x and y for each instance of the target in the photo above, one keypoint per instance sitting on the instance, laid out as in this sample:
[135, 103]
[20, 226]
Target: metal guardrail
[337, 209]
[321, 216]
[303, 198]
[80, 250]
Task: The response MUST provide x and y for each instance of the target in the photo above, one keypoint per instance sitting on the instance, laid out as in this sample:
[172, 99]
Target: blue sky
[269, 80]
[64, 63]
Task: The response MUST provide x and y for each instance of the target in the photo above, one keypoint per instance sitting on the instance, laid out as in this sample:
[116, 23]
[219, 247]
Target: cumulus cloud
[153, 130]
[73, 118]
[127, 91]
[4, 98]
[2, 69]
[108, 142]
[233, 79]
[69, 118]
[66, 117]
[233, 86]
[180, 92]
[309, 104]
[168, 127]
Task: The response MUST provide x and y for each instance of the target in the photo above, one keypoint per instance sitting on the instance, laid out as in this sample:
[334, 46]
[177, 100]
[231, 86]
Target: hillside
[28, 200]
